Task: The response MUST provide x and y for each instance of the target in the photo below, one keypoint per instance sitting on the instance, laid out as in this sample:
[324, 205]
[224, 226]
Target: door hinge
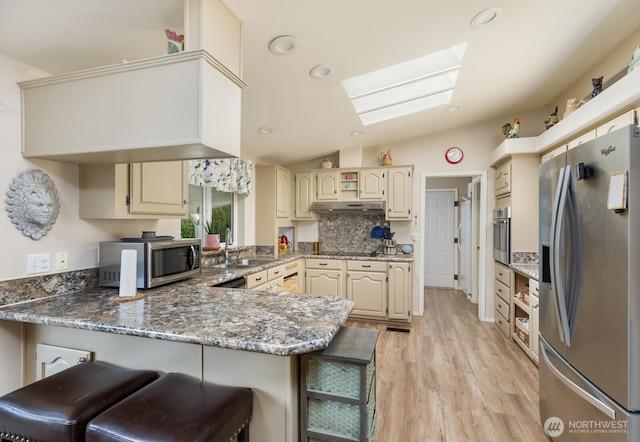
[455, 277]
[456, 203]
[455, 240]
[127, 200]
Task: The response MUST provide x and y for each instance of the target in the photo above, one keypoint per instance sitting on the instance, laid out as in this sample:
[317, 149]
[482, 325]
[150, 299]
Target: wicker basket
[337, 378]
[521, 330]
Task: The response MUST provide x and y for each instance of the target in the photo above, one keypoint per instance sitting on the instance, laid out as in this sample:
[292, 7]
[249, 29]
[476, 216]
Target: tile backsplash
[348, 233]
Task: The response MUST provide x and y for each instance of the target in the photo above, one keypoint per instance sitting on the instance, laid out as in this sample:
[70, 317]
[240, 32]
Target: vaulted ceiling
[523, 60]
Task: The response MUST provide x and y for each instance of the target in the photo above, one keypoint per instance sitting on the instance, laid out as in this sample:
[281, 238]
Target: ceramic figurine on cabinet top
[384, 158]
[33, 204]
[513, 131]
[175, 42]
[552, 119]
[328, 163]
[597, 86]
[572, 105]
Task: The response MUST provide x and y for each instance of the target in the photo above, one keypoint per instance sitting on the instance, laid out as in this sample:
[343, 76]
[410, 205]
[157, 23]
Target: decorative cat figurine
[597, 86]
[572, 104]
[551, 119]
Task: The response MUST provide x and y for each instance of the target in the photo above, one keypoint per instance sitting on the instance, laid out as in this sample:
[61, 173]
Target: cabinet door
[283, 193]
[369, 291]
[399, 193]
[400, 291]
[372, 184]
[327, 184]
[324, 282]
[159, 188]
[535, 313]
[303, 195]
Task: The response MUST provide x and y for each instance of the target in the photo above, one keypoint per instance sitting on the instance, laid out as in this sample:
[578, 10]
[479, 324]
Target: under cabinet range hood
[374, 207]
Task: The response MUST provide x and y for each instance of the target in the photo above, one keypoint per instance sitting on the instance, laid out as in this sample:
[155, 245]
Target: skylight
[406, 88]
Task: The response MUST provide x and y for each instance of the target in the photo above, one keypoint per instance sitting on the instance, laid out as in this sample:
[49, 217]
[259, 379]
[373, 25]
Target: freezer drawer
[573, 409]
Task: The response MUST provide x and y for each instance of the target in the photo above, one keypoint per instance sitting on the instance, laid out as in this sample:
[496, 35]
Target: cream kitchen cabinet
[130, 191]
[525, 314]
[399, 193]
[367, 287]
[122, 113]
[324, 277]
[372, 184]
[502, 298]
[304, 195]
[273, 203]
[400, 292]
[327, 185]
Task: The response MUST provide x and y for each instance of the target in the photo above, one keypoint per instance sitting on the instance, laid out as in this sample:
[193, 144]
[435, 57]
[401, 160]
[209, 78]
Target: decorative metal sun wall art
[33, 204]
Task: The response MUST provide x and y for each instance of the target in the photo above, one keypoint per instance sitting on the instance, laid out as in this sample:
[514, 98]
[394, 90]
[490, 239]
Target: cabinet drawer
[501, 290]
[534, 289]
[620, 121]
[502, 324]
[503, 274]
[501, 306]
[333, 264]
[275, 272]
[371, 266]
[256, 279]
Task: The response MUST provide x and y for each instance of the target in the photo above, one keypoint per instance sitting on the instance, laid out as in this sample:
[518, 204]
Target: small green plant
[211, 227]
[187, 228]
[220, 220]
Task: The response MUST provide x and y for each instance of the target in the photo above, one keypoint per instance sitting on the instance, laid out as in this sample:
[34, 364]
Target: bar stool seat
[177, 408]
[58, 407]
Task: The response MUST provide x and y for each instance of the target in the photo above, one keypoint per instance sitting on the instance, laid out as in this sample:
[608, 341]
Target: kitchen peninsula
[225, 336]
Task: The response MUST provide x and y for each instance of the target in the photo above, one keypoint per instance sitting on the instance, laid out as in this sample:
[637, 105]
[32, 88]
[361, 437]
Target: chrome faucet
[228, 241]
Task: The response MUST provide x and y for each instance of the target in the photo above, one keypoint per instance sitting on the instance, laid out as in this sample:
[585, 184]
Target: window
[208, 204]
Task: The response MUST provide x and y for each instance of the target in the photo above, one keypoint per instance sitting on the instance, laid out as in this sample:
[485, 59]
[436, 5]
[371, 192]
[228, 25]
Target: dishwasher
[237, 283]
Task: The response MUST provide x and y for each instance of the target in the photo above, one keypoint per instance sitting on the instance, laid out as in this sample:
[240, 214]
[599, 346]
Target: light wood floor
[453, 378]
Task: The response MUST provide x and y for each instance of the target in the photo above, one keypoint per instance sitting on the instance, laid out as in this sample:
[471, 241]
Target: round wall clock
[454, 155]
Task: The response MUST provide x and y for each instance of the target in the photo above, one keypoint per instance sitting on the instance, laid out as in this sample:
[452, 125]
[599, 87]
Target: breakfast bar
[225, 336]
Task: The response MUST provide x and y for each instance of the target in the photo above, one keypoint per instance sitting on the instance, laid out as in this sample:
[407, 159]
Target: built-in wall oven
[502, 235]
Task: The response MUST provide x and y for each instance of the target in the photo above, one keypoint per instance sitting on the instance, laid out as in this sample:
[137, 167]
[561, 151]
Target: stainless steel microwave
[158, 261]
[502, 235]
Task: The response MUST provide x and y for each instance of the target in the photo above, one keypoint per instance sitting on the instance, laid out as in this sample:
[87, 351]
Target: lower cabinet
[367, 287]
[502, 298]
[324, 277]
[400, 291]
[525, 315]
[338, 389]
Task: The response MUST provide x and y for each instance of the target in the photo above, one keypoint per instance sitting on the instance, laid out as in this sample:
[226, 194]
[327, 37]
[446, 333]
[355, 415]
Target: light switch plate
[38, 263]
[62, 260]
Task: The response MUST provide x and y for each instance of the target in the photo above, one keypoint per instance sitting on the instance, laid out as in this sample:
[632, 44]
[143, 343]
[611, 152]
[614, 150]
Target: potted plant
[212, 235]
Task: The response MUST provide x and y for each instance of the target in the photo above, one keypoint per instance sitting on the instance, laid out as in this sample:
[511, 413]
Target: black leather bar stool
[177, 408]
[58, 407]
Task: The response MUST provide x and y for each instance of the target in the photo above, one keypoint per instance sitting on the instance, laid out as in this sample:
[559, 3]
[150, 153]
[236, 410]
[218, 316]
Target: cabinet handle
[185, 202]
[366, 266]
[276, 272]
[259, 279]
[323, 263]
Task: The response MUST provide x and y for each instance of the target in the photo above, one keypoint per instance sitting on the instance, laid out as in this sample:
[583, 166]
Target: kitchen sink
[242, 263]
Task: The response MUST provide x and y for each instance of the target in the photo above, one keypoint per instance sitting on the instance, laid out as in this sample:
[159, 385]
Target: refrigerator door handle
[555, 264]
[610, 412]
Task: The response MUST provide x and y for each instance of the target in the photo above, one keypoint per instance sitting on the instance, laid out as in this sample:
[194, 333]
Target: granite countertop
[275, 323]
[530, 270]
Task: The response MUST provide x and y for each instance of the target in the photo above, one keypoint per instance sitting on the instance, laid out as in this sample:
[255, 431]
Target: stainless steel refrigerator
[590, 290]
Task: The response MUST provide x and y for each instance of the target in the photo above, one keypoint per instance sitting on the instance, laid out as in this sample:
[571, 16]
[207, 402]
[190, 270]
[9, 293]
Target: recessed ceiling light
[322, 71]
[487, 16]
[265, 130]
[357, 133]
[283, 45]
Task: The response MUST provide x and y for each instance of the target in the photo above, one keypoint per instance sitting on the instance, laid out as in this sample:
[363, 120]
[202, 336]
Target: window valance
[226, 175]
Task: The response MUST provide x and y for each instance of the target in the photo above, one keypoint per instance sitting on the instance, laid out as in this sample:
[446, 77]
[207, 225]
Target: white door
[439, 259]
[464, 243]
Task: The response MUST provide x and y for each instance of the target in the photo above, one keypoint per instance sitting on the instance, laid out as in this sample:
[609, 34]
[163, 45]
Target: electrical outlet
[38, 263]
[62, 260]
[415, 237]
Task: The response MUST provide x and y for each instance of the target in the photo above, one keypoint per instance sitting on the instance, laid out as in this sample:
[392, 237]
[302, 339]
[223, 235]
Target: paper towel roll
[128, 263]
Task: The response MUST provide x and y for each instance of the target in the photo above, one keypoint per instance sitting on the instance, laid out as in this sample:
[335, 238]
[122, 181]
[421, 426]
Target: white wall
[70, 233]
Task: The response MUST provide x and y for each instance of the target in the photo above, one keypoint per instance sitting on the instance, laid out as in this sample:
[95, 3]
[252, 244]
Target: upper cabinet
[134, 191]
[283, 193]
[327, 185]
[178, 106]
[372, 184]
[304, 192]
[399, 193]
[274, 188]
[503, 179]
